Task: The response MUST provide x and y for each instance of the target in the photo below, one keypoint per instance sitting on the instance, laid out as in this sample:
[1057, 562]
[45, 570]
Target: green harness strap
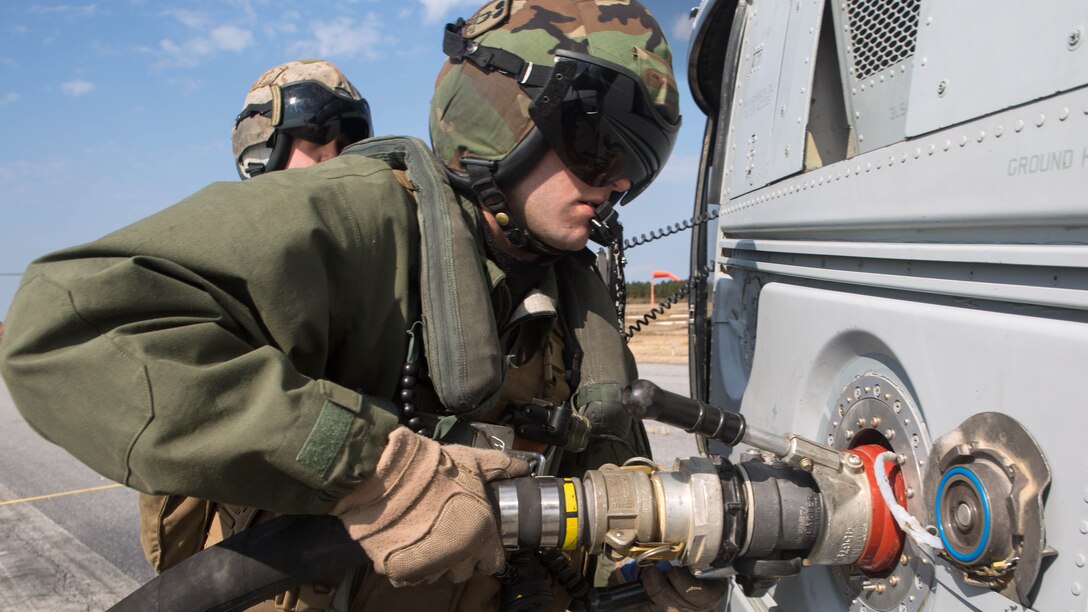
[459, 333]
[604, 373]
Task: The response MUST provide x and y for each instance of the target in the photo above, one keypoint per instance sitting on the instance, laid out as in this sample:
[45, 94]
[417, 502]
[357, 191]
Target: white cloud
[37, 170]
[110, 49]
[109, 148]
[231, 38]
[344, 37]
[287, 24]
[77, 87]
[9, 98]
[436, 10]
[245, 10]
[186, 85]
[193, 51]
[681, 29]
[66, 10]
[190, 19]
[175, 56]
[209, 38]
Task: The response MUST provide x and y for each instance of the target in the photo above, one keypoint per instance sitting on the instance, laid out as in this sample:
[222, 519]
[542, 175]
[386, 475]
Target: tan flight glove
[424, 513]
[677, 590]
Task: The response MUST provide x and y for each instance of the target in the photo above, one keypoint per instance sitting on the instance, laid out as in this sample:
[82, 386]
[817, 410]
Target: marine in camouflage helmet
[310, 99]
[489, 98]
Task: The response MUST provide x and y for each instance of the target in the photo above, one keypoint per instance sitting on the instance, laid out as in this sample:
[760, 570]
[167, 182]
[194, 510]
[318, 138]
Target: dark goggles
[599, 119]
[314, 112]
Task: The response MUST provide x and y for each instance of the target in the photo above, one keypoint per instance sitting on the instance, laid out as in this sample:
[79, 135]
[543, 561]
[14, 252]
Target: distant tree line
[641, 290]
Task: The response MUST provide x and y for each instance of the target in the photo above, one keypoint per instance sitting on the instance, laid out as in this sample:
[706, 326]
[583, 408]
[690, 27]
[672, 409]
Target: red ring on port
[886, 539]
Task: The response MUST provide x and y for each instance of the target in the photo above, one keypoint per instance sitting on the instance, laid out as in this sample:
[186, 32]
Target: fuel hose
[250, 567]
[269, 558]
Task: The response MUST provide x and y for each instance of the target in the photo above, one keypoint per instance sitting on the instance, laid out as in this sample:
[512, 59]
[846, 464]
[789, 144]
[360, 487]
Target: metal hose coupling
[638, 511]
[791, 502]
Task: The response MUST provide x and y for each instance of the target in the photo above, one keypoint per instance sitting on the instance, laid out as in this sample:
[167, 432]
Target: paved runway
[69, 539]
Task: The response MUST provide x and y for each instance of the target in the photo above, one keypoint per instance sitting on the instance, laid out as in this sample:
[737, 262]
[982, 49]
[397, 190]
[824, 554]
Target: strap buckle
[555, 425]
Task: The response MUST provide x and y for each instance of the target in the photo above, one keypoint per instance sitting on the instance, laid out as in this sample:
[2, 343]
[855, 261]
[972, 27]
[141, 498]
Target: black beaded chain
[409, 379]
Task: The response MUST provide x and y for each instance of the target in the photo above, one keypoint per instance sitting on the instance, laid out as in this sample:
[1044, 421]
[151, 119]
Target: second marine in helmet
[308, 100]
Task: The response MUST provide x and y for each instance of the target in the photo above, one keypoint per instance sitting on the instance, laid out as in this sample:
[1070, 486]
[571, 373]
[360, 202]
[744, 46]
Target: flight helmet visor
[314, 112]
[599, 118]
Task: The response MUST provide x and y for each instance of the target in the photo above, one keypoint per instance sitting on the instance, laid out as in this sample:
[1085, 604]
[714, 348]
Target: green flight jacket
[243, 345]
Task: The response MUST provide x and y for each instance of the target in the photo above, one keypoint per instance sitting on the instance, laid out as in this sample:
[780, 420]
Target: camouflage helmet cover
[486, 114]
[255, 130]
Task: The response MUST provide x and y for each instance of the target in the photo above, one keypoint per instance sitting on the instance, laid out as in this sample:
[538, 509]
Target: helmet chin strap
[482, 182]
[484, 185]
[278, 153]
[281, 150]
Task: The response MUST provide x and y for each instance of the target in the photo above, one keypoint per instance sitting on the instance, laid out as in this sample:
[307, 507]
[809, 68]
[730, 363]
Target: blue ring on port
[974, 554]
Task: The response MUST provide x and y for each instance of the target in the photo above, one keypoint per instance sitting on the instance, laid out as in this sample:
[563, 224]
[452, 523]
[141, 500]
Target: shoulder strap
[460, 336]
[603, 371]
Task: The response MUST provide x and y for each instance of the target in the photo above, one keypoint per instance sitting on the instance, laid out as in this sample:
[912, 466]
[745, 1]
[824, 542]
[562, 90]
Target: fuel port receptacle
[986, 484]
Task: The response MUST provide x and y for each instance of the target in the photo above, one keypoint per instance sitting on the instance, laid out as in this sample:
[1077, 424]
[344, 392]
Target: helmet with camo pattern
[309, 99]
[501, 101]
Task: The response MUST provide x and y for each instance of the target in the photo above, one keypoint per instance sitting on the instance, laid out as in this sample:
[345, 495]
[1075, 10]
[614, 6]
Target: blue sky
[115, 110]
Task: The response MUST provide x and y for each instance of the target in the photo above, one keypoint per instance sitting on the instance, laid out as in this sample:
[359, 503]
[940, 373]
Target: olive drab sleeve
[240, 346]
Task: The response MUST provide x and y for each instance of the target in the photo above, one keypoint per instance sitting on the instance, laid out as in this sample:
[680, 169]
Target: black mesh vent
[882, 33]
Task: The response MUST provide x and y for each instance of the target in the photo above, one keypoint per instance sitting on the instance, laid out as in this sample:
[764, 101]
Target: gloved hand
[677, 589]
[424, 513]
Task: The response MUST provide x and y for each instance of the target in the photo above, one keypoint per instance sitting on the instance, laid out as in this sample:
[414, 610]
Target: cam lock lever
[556, 425]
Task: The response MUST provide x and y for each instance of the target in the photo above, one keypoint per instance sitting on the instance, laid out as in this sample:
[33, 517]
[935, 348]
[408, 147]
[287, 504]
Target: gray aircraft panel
[752, 125]
[1031, 50]
[876, 86]
[767, 132]
[1016, 176]
[793, 93]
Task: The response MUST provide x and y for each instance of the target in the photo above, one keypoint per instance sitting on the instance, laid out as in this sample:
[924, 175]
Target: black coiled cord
[669, 302]
[616, 249]
[669, 230]
[654, 312]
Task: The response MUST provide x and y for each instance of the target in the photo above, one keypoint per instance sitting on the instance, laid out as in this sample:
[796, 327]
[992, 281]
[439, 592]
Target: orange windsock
[664, 274]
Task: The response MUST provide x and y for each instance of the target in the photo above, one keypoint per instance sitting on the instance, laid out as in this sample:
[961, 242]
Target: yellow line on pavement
[61, 494]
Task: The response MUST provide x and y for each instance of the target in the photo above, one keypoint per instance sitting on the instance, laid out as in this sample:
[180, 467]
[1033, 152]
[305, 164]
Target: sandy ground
[664, 340]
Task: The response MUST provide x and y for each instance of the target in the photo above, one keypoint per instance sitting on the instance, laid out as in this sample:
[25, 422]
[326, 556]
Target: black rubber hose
[250, 567]
[644, 400]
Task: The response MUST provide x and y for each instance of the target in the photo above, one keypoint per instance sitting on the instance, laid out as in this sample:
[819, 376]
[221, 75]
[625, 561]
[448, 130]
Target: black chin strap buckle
[481, 173]
[254, 169]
